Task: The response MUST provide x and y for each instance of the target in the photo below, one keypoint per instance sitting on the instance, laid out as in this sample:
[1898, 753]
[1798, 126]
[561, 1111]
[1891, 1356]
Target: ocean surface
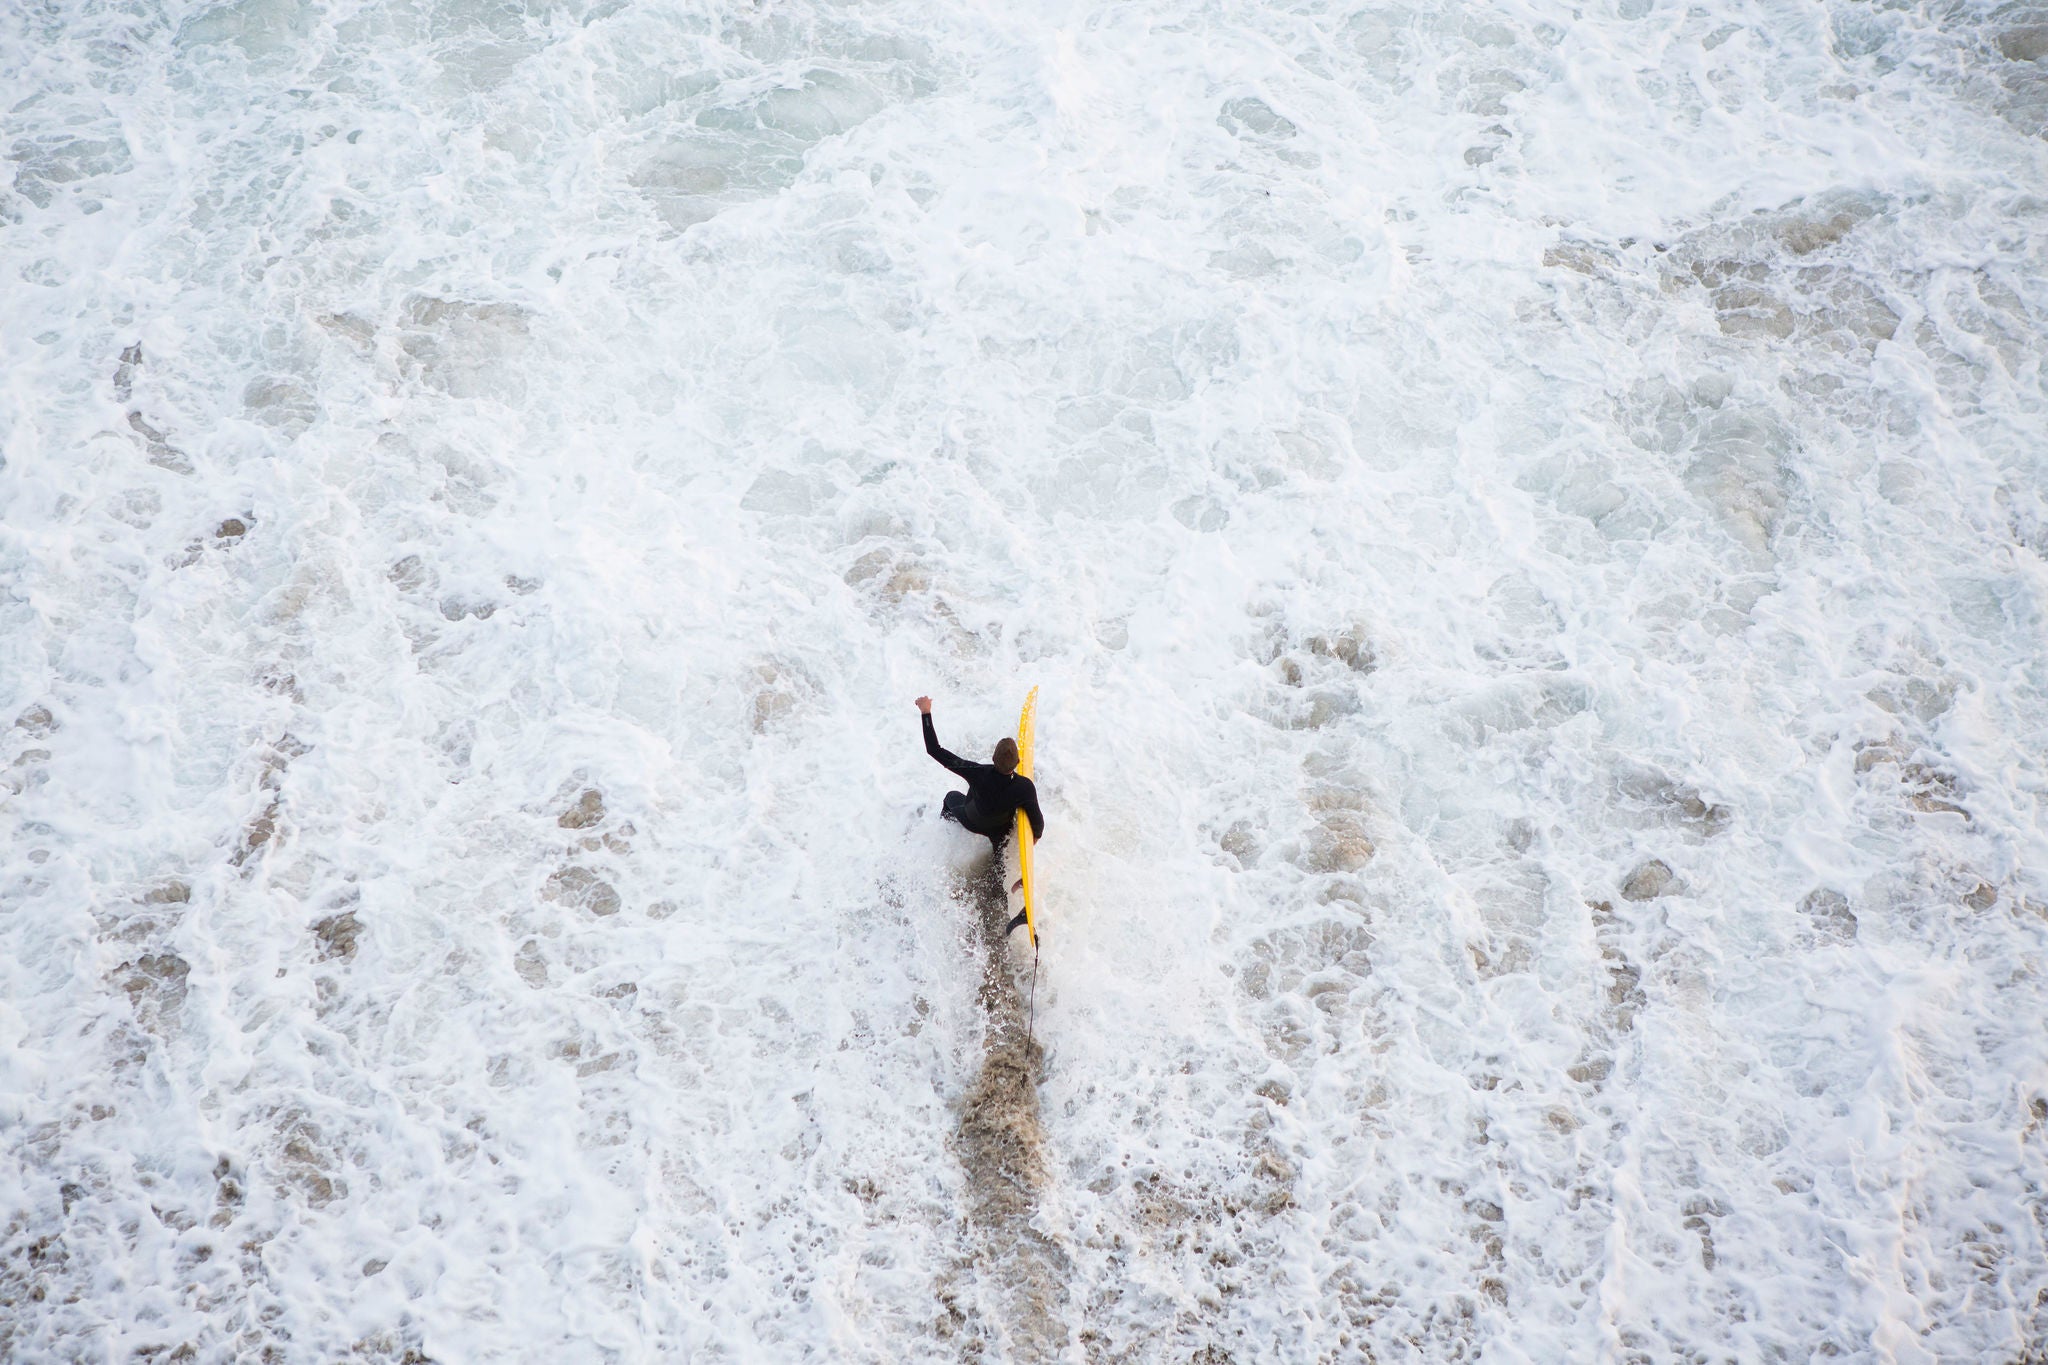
[1530, 523]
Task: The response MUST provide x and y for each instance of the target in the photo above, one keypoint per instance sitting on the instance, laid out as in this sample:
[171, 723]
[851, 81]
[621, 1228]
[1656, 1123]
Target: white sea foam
[1528, 522]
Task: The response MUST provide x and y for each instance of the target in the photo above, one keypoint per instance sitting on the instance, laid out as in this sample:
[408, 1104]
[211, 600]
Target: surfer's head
[1006, 755]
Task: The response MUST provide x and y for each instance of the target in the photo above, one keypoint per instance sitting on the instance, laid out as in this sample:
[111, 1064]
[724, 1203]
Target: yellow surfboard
[1025, 724]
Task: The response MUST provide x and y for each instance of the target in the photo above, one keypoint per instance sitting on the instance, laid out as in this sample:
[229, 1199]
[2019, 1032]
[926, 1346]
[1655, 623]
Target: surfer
[995, 791]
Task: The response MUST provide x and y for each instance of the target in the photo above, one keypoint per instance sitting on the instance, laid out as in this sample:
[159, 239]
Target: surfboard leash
[1031, 1020]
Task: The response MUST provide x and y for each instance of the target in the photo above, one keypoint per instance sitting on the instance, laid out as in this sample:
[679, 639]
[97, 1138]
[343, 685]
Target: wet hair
[1006, 755]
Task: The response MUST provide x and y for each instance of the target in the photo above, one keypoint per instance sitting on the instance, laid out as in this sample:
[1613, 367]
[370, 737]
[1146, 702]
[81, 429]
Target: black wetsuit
[990, 804]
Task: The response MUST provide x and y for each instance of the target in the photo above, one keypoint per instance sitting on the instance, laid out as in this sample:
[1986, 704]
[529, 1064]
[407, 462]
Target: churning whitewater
[1530, 523]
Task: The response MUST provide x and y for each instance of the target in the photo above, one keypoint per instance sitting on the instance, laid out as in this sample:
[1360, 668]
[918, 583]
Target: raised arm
[931, 741]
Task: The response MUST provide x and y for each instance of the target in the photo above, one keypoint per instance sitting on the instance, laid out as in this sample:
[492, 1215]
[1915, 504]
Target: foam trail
[1003, 1150]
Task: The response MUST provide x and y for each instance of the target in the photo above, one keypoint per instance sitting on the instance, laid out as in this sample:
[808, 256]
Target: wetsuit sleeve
[931, 746]
[1029, 805]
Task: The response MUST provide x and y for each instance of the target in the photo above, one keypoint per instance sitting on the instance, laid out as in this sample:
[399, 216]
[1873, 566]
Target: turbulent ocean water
[1530, 522]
